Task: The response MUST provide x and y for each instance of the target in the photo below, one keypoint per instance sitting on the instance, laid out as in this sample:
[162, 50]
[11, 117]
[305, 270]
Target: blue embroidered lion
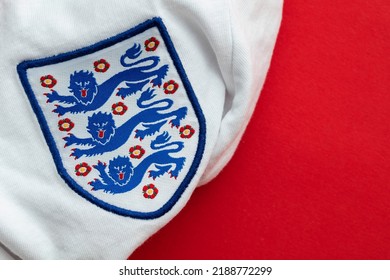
[106, 137]
[123, 177]
[88, 95]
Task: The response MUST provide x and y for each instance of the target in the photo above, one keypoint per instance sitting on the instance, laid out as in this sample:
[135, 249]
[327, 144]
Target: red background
[318, 181]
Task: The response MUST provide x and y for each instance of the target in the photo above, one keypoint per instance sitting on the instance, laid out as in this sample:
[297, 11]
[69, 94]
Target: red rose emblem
[186, 131]
[101, 65]
[151, 44]
[136, 152]
[48, 81]
[170, 87]
[150, 191]
[82, 169]
[65, 125]
[119, 108]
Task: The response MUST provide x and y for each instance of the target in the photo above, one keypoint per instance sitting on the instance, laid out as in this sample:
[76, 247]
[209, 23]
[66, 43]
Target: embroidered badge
[121, 120]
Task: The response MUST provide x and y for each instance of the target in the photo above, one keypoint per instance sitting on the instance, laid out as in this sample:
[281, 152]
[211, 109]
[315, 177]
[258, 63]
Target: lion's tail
[162, 140]
[152, 61]
[148, 95]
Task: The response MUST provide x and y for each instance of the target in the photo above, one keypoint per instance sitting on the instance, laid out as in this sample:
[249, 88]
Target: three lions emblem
[121, 120]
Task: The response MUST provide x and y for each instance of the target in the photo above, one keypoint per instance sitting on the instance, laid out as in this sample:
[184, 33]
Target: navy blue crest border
[154, 22]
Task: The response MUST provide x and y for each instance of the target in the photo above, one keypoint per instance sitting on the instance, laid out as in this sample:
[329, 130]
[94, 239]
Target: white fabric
[225, 47]
[5, 254]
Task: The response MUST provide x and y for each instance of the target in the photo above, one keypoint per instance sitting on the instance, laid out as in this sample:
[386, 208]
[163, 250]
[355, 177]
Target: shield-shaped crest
[121, 120]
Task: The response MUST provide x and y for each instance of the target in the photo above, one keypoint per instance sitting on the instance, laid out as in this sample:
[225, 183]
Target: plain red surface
[318, 182]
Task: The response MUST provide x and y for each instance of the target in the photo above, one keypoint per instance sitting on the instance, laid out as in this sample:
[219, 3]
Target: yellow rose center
[151, 45]
[149, 192]
[65, 125]
[186, 132]
[47, 81]
[101, 66]
[82, 169]
[136, 152]
[119, 109]
[170, 87]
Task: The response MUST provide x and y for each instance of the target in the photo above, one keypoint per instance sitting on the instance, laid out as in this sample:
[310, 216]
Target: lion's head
[83, 86]
[101, 126]
[120, 170]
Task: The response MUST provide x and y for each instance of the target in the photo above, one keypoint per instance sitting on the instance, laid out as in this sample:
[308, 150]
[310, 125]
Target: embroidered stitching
[119, 175]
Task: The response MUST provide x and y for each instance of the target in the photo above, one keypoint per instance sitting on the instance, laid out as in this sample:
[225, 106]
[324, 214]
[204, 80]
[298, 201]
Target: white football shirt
[113, 112]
